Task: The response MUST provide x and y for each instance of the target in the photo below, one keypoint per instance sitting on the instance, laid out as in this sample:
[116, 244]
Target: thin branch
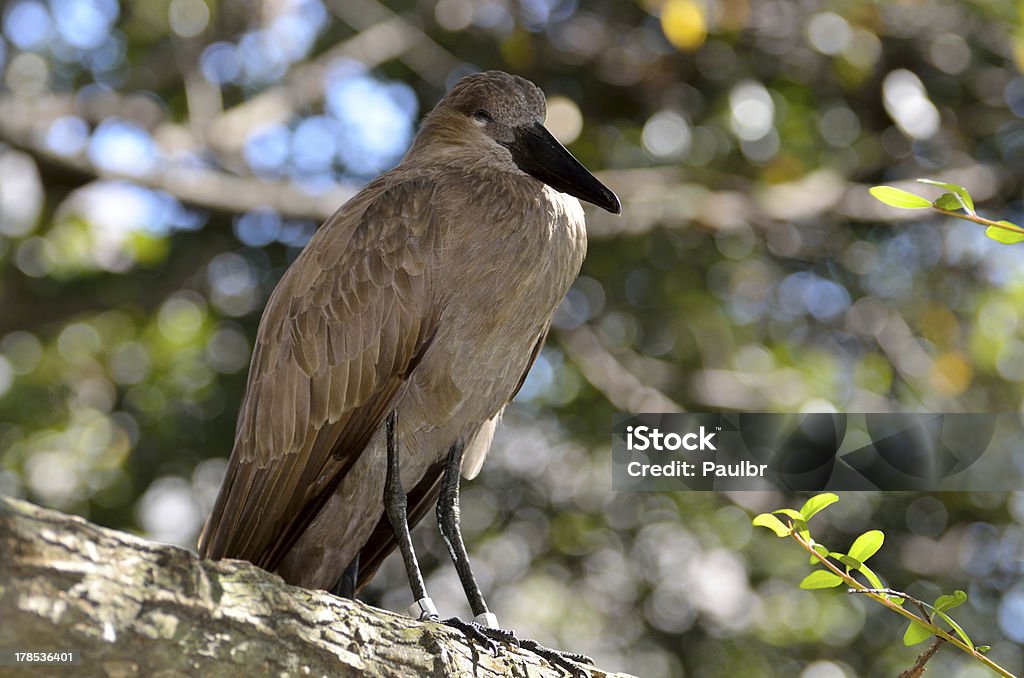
[918, 668]
[421, 54]
[382, 36]
[1004, 225]
[920, 604]
[599, 367]
[204, 188]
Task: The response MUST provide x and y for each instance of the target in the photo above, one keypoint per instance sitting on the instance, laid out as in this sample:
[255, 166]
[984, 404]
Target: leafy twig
[921, 605]
[866, 545]
[917, 669]
[956, 202]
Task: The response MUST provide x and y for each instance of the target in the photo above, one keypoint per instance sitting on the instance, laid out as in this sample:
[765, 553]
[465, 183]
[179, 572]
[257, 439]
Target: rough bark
[136, 608]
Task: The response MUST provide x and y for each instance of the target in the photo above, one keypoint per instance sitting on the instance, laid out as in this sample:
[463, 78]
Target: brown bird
[392, 344]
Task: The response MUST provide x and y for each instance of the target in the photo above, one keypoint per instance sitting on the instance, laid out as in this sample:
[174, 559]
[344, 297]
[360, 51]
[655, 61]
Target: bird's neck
[444, 140]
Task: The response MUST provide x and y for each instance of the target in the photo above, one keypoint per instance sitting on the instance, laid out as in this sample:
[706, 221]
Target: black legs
[448, 516]
[394, 506]
[447, 519]
[484, 626]
[483, 629]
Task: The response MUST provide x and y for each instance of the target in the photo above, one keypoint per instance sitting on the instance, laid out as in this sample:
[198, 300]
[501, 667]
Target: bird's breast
[506, 269]
[521, 254]
[518, 266]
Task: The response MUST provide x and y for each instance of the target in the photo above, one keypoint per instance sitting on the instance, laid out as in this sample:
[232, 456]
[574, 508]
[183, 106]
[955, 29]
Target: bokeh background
[161, 162]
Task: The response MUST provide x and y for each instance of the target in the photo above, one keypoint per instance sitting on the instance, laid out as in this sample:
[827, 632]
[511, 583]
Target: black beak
[541, 156]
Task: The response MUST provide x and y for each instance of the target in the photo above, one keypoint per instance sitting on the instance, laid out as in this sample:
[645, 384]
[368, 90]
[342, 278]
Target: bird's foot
[482, 633]
[570, 661]
[485, 631]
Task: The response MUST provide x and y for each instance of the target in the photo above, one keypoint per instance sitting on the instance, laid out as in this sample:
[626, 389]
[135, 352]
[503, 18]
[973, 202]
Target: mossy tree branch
[136, 608]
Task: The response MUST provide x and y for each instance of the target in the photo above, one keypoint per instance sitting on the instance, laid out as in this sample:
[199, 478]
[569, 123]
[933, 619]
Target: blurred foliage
[129, 296]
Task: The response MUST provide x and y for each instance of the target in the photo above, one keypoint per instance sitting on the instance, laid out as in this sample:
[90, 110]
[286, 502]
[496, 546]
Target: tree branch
[621, 387]
[653, 196]
[132, 607]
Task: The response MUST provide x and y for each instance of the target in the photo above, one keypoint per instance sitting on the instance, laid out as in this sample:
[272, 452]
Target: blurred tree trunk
[136, 608]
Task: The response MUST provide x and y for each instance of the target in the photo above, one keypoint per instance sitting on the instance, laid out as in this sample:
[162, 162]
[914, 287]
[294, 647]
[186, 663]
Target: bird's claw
[485, 635]
[570, 661]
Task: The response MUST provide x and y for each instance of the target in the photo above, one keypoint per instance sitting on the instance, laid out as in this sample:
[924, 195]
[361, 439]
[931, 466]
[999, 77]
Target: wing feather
[342, 332]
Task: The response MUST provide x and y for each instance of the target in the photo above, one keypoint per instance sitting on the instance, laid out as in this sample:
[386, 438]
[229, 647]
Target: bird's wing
[424, 495]
[342, 331]
[533, 358]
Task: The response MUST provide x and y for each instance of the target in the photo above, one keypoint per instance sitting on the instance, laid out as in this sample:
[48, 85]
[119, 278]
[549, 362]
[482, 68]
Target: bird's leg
[448, 519]
[395, 507]
[485, 623]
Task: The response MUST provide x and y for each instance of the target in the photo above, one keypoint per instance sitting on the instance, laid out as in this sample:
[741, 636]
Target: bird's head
[503, 115]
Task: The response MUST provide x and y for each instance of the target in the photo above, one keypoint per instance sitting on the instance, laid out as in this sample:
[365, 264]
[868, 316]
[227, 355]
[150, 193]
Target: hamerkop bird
[390, 347]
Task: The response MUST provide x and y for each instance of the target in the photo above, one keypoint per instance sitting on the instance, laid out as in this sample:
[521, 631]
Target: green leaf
[894, 197]
[772, 523]
[816, 503]
[983, 648]
[876, 583]
[956, 627]
[821, 579]
[1004, 236]
[851, 563]
[866, 545]
[915, 634]
[792, 513]
[965, 196]
[949, 601]
[820, 550]
[799, 524]
[948, 201]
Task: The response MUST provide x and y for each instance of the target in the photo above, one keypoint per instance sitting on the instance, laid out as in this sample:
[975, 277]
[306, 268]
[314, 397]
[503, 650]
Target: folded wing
[340, 335]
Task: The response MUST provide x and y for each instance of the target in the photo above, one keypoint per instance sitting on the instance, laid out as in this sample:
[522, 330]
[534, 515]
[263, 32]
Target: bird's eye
[482, 115]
